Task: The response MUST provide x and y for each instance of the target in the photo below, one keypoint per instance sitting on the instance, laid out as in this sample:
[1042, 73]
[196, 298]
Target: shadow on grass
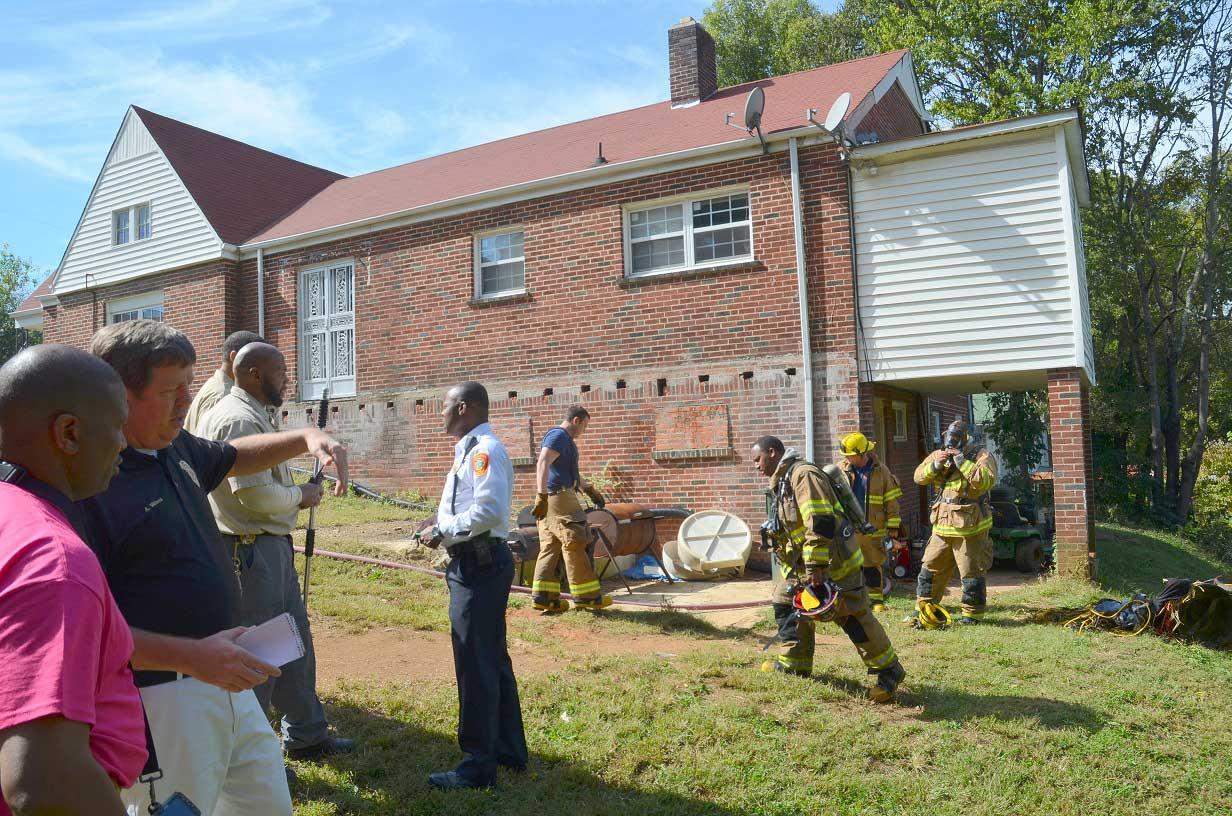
[388, 775]
[669, 622]
[947, 704]
[1131, 561]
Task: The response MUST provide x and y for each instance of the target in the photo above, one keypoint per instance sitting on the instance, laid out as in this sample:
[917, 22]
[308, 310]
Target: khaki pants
[972, 557]
[874, 558]
[797, 636]
[563, 535]
[214, 747]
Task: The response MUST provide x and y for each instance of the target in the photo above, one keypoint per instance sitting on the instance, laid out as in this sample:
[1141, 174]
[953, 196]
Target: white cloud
[50, 160]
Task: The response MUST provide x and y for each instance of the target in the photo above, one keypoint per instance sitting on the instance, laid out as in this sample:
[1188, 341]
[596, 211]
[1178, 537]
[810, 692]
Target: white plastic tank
[712, 541]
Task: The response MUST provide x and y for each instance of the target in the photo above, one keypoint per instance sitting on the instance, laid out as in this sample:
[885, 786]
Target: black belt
[480, 545]
[146, 678]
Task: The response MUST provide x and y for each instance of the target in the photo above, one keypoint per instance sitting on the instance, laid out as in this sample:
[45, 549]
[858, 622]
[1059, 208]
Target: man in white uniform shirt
[472, 523]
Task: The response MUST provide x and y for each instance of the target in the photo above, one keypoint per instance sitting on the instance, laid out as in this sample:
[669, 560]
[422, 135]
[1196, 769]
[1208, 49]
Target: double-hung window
[146, 306]
[130, 224]
[500, 265]
[697, 231]
[327, 330]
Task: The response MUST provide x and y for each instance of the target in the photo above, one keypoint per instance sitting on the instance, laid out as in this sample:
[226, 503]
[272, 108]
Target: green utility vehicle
[1015, 536]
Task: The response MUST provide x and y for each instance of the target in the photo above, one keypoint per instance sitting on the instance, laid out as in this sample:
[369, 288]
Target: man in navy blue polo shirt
[160, 548]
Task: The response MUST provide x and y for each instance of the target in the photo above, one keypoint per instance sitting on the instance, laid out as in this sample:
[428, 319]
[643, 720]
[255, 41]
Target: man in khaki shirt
[255, 515]
[219, 384]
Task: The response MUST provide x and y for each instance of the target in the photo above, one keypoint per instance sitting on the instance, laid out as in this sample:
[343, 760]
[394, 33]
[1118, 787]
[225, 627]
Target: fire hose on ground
[381, 562]
[368, 493]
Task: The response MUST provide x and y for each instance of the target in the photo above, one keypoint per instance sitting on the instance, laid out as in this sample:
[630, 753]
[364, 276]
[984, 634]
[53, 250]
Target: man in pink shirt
[71, 726]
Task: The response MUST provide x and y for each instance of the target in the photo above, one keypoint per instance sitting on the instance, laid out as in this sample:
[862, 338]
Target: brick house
[643, 263]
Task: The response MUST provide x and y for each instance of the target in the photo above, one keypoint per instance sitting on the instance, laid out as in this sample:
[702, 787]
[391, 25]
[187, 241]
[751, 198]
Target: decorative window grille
[327, 330]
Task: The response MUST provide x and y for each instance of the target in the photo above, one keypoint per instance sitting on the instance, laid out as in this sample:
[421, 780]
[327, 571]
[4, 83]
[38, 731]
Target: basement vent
[661, 387]
[620, 384]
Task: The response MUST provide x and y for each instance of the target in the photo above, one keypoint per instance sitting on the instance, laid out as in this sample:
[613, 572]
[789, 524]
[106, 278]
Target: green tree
[16, 281]
[755, 39]
[1018, 423]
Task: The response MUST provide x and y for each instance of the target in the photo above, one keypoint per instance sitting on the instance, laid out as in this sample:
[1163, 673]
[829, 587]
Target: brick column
[1069, 420]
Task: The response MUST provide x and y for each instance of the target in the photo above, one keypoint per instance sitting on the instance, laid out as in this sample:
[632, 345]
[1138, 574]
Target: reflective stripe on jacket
[960, 509]
[880, 498]
[810, 496]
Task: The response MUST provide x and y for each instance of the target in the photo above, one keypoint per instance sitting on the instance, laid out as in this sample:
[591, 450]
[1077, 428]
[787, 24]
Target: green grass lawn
[1010, 718]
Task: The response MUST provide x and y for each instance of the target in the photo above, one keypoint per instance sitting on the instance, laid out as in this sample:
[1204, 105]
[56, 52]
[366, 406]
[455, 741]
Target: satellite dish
[753, 107]
[834, 119]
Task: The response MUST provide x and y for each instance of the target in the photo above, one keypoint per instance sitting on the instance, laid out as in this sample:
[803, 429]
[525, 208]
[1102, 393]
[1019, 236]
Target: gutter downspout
[261, 291]
[802, 293]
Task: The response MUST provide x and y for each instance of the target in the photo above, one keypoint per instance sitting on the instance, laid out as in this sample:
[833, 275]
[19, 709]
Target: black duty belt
[147, 678]
[480, 546]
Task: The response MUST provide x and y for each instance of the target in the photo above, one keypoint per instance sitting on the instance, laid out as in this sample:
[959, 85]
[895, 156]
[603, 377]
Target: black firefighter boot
[887, 683]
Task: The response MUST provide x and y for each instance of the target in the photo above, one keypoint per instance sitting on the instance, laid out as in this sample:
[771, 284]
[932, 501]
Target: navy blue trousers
[489, 713]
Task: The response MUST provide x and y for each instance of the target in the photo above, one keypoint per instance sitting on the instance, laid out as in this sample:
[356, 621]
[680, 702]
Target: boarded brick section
[1069, 421]
[692, 432]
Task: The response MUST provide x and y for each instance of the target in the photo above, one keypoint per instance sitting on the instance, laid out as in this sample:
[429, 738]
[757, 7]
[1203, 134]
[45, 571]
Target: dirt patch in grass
[405, 655]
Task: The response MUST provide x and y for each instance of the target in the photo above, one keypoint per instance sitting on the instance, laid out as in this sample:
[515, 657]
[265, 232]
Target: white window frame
[479, 264]
[328, 324]
[136, 304]
[936, 420]
[900, 420]
[688, 232]
[131, 212]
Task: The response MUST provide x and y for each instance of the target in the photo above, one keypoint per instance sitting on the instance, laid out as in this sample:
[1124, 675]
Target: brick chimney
[690, 56]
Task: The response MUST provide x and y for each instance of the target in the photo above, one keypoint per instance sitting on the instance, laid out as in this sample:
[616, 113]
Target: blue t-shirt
[563, 473]
[860, 484]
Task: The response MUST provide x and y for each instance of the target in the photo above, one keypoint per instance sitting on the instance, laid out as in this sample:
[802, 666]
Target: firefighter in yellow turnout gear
[563, 535]
[878, 492]
[814, 543]
[962, 518]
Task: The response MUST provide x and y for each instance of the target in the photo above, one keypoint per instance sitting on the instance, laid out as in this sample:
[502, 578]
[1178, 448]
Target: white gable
[136, 172]
[969, 260]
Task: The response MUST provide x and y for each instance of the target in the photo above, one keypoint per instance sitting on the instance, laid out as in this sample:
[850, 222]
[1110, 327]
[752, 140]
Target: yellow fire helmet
[856, 443]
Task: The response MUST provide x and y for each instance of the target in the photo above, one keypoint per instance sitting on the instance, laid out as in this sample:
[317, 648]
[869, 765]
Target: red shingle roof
[241, 189]
[32, 302]
[634, 134]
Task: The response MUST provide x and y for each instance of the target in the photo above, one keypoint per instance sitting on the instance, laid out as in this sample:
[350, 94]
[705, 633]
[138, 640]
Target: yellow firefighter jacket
[960, 509]
[803, 502]
[880, 499]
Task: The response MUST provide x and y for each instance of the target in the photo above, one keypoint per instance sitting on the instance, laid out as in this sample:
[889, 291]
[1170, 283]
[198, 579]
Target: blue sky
[352, 86]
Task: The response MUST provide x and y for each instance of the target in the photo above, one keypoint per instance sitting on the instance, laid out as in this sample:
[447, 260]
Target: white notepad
[277, 641]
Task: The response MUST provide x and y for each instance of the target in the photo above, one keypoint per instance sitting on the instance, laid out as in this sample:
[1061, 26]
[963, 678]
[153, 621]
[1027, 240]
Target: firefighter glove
[540, 510]
[595, 496]
[958, 459]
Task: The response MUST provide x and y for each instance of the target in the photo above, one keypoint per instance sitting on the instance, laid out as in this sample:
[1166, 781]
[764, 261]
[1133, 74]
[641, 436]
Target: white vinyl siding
[327, 330]
[965, 262]
[699, 230]
[136, 175]
[146, 306]
[500, 264]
